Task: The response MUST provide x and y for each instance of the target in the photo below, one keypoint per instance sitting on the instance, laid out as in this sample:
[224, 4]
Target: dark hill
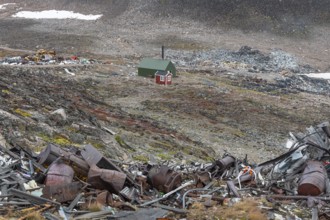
[281, 16]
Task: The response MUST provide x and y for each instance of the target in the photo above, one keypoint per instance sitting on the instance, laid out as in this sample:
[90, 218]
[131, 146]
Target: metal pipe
[185, 194]
[163, 52]
[168, 194]
[298, 197]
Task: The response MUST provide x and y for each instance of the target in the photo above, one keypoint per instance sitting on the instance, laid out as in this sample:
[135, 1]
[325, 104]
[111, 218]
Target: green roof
[157, 64]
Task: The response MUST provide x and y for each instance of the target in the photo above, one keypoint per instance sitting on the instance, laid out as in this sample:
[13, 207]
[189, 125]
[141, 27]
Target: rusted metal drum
[46, 157]
[225, 162]
[164, 179]
[53, 152]
[58, 174]
[313, 179]
[111, 180]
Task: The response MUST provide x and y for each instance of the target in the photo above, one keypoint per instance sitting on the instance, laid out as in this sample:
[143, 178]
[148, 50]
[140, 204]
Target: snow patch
[3, 6]
[319, 75]
[54, 14]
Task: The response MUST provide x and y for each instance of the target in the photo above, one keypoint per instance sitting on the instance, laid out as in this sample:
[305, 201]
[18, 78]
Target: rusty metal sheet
[62, 193]
[93, 157]
[31, 198]
[106, 179]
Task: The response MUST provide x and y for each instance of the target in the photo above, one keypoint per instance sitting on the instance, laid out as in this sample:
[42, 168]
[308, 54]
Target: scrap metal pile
[44, 57]
[81, 183]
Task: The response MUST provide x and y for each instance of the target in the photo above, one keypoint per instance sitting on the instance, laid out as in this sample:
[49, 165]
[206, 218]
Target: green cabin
[148, 67]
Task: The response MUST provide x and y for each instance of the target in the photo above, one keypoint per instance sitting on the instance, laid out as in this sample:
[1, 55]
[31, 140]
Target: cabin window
[162, 78]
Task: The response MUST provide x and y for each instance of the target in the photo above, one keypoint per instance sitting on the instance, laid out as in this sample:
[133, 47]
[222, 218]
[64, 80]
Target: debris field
[81, 183]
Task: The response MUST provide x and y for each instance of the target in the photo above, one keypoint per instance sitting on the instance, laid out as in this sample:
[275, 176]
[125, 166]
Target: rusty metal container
[63, 192]
[225, 162]
[46, 157]
[202, 178]
[111, 180]
[58, 174]
[313, 179]
[93, 157]
[52, 152]
[164, 179]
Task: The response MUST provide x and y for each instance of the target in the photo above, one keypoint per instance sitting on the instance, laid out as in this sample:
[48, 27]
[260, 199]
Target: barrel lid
[308, 189]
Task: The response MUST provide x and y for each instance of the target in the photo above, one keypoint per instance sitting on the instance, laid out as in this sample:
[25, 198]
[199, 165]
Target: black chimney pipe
[163, 52]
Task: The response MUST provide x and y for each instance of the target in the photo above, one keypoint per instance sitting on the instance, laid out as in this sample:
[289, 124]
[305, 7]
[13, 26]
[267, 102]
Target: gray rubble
[245, 58]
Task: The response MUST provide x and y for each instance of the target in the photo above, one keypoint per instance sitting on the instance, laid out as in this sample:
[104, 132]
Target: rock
[77, 138]
[3, 141]
[8, 116]
[59, 117]
[89, 130]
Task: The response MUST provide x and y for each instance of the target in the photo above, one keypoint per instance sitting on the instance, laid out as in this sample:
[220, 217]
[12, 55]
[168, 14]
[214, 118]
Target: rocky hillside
[281, 16]
[241, 90]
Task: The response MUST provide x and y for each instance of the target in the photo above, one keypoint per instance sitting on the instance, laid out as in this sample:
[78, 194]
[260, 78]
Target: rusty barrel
[46, 157]
[164, 179]
[58, 174]
[110, 180]
[225, 162]
[313, 179]
[52, 152]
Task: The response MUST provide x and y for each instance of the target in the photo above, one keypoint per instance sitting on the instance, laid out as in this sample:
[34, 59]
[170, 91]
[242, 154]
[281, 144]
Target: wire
[246, 169]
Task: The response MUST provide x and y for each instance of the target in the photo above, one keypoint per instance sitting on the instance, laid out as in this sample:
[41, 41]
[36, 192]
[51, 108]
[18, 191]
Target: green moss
[5, 91]
[123, 144]
[162, 145]
[119, 140]
[208, 159]
[187, 150]
[96, 144]
[22, 113]
[59, 140]
[238, 133]
[141, 158]
[164, 156]
[72, 129]
[197, 152]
